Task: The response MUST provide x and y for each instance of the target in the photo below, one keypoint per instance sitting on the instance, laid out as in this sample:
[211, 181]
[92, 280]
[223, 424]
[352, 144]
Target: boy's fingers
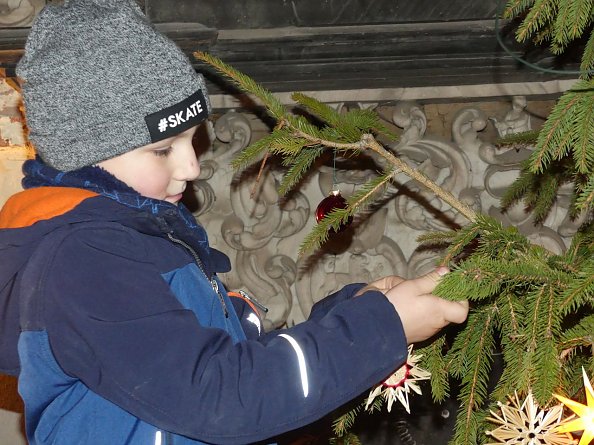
[425, 284]
[391, 281]
[455, 311]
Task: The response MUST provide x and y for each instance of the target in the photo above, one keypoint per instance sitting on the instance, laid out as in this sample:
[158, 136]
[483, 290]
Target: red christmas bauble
[328, 204]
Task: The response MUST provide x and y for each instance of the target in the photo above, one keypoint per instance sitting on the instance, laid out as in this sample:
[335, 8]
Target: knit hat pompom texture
[92, 71]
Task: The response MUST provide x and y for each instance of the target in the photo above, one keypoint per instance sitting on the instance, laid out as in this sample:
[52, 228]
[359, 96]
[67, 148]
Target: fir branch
[246, 83]
[581, 247]
[545, 329]
[551, 135]
[317, 108]
[471, 432]
[320, 232]
[365, 121]
[583, 133]
[520, 187]
[476, 278]
[376, 405]
[256, 149]
[581, 334]
[345, 422]
[587, 63]
[541, 14]
[572, 19]
[581, 12]
[562, 26]
[535, 334]
[574, 384]
[347, 439]
[419, 177]
[350, 125]
[433, 361]
[299, 166]
[507, 243]
[580, 290]
[432, 238]
[462, 238]
[372, 190]
[457, 357]
[473, 391]
[523, 139]
[368, 141]
[287, 146]
[544, 36]
[548, 367]
[511, 326]
[338, 217]
[585, 198]
[522, 291]
[546, 197]
[510, 315]
[302, 124]
[515, 8]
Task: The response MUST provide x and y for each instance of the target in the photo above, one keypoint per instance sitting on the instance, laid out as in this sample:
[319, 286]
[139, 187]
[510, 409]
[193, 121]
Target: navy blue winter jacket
[112, 316]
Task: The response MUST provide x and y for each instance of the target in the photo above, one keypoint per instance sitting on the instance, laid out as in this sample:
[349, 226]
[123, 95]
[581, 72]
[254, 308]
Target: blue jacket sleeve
[114, 323]
[322, 307]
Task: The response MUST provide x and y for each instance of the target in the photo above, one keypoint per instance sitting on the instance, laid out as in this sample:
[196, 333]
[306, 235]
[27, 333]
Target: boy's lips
[175, 198]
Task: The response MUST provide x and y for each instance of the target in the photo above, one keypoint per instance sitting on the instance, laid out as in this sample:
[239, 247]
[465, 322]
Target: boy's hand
[383, 284]
[423, 314]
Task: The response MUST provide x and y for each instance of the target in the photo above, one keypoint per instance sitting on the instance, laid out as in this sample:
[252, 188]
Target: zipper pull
[215, 287]
[254, 301]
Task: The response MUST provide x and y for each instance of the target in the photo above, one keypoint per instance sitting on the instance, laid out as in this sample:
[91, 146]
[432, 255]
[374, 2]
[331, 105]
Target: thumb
[455, 311]
[425, 283]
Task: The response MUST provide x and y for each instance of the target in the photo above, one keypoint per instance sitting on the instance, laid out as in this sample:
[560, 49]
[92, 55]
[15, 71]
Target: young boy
[112, 313]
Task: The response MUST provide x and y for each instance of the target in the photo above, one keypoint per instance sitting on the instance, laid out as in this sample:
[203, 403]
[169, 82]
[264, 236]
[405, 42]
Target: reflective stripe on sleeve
[301, 360]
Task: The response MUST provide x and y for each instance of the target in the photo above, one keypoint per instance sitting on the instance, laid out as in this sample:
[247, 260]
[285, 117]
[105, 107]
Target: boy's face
[160, 170]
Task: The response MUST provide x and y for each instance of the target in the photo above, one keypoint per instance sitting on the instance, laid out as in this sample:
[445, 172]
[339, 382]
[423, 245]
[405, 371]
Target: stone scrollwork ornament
[19, 12]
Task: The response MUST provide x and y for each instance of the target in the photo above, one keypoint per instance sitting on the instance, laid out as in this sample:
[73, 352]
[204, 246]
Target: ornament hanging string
[333, 201]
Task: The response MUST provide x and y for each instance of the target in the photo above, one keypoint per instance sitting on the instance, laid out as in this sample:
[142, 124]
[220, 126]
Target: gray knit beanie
[98, 81]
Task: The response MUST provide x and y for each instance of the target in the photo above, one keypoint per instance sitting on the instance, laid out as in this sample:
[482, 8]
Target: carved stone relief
[261, 231]
[19, 12]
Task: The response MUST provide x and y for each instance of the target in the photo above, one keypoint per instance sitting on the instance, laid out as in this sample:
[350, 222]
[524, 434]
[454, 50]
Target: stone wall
[13, 151]
[451, 142]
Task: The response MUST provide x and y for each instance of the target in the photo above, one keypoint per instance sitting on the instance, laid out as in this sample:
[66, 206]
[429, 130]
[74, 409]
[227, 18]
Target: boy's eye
[162, 152]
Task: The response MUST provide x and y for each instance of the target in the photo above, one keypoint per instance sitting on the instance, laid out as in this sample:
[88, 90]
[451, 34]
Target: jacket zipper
[253, 301]
[213, 282]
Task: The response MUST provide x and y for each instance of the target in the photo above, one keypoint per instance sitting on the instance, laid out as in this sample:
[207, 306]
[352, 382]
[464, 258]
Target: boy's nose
[188, 167]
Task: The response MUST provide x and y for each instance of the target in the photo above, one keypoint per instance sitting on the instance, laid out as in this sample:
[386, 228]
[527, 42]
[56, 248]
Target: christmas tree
[533, 306]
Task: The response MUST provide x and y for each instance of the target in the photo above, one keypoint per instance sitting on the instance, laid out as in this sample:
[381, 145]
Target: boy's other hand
[383, 284]
[423, 314]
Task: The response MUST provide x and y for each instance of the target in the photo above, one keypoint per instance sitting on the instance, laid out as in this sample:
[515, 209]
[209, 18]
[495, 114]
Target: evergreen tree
[534, 306]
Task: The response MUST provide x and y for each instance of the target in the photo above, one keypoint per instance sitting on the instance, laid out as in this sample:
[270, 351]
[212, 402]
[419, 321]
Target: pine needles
[533, 306]
[530, 306]
[558, 22]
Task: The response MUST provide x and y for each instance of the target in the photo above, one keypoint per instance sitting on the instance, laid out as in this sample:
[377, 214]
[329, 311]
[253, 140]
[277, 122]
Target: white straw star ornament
[399, 385]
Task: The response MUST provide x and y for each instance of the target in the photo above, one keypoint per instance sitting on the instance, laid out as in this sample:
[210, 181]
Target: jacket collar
[100, 181]
[147, 215]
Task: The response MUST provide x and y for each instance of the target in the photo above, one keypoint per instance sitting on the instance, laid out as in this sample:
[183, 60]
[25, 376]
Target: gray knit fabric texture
[92, 70]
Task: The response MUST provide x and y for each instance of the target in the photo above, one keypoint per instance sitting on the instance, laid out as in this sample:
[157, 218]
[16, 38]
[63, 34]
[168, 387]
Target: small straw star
[399, 385]
[526, 424]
